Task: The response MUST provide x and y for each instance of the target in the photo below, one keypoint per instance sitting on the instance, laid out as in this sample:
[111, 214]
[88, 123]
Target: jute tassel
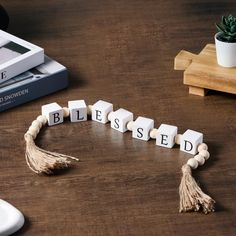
[39, 160]
[192, 198]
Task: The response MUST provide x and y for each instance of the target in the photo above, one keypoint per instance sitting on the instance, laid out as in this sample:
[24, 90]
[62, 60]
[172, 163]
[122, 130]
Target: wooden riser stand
[202, 73]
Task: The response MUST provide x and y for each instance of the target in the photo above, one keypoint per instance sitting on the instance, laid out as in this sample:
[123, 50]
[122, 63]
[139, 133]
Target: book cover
[17, 56]
[37, 82]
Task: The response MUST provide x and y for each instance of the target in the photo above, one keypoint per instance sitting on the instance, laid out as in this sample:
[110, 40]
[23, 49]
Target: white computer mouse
[11, 219]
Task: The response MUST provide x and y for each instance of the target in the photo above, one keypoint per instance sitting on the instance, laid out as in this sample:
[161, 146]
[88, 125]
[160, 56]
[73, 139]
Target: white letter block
[142, 127]
[78, 110]
[120, 118]
[190, 141]
[53, 112]
[100, 111]
[166, 135]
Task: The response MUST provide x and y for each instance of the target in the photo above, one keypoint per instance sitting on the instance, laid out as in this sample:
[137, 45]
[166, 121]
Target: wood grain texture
[122, 52]
[203, 72]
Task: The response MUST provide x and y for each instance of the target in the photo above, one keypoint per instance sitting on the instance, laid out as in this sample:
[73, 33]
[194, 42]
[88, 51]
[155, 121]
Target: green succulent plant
[227, 29]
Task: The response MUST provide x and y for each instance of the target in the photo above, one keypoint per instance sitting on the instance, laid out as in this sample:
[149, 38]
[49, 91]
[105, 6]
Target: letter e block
[190, 141]
[142, 127]
[166, 135]
[78, 110]
[100, 111]
[53, 112]
[120, 118]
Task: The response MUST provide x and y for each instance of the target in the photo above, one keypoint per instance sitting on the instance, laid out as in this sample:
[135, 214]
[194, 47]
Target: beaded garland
[41, 161]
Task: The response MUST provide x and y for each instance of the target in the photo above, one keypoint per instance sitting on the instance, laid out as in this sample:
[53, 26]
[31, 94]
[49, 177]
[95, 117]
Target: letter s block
[142, 127]
[120, 118]
[53, 112]
[190, 141]
[100, 111]
[166, 135]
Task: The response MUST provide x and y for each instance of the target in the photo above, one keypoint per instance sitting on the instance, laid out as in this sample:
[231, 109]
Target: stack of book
[26, 73]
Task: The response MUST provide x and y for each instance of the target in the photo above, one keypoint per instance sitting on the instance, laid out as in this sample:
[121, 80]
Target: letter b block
[166, 135]
[120, 118]
[142, 127]
[100, 111]
[78, 110]
[53, 112]
[190, 141]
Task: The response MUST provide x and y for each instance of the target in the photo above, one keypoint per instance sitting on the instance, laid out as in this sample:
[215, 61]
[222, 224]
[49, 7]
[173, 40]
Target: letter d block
[142, 127]
[78, 110]
[120, 118]
[100, 111]
[53, 112]
[190, 141]
[166, 135]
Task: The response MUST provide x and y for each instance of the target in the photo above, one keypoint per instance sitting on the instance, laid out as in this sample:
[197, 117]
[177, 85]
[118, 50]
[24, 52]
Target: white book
[17, 56]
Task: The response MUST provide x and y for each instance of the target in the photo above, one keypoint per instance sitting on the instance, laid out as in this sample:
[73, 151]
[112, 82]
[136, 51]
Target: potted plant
[225, 41]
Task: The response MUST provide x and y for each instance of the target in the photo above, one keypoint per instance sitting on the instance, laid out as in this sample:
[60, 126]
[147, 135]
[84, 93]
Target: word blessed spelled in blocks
[192, 198]
[122, 120]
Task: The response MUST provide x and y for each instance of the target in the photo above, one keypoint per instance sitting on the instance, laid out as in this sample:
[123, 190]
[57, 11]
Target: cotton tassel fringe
[192, 198]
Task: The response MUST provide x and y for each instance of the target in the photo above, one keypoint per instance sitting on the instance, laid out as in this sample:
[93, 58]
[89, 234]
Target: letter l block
[100, 111]
[78, 110]
[53, 112]
[190, 141]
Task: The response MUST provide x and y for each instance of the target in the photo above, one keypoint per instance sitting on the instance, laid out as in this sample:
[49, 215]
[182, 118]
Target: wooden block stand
[202, 73]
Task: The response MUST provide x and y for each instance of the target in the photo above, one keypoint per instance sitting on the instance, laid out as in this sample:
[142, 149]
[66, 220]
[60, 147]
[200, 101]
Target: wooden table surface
[122, 52]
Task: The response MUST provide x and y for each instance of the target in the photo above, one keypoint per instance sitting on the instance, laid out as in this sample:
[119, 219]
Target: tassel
[192, 198]
[42, 161]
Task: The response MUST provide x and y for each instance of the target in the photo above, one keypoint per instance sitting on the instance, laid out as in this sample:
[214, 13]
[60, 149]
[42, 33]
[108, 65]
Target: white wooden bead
[205, 154]
[89, 109]
[130, 125]
[190, 141]
[37, 123]
[178, 138]
[109, 117]
[166, 135]
[202, 146]
[78, 110]
[53, 112]
[42, 119]
[100, 111]
[141, 128]
[32, 133]
[193, 163]
[34, 129]
[153, 133]
[120, 118]
[66, 112]
[200, 159]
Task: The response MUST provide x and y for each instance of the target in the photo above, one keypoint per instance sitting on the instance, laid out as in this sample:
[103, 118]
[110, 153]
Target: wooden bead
[205, 154]
[89, 109]
[42, 119]
[130, 125]
[36, 124]
[153, 133]
[66, 112]
[109, 117]
[200, 159]
[193, 163]
[202, 146]
[178, 138]
[34, 129]
[32, 133]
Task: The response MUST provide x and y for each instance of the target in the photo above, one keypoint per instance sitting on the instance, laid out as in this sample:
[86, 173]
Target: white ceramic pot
[225, 53]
